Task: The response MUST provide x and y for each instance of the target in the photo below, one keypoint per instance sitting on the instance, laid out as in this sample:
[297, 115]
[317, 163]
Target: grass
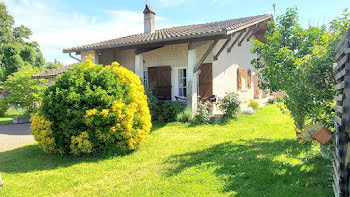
[256, 155]
[10, 113]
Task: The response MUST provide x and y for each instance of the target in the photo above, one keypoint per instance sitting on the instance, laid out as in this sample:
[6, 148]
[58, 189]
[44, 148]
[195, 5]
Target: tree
[299, 63]
[23, 90]
[52, 65]
[16, 49]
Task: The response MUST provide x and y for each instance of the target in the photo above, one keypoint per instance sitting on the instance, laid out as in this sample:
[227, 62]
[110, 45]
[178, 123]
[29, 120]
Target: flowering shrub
[204, 113]
[230, 105]
[254, 104]
[92, 108]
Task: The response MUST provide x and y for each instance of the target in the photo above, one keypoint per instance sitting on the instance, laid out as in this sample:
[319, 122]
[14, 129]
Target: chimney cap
[148, 9]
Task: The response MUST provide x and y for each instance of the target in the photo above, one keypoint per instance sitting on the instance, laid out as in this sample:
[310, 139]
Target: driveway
[14, 135]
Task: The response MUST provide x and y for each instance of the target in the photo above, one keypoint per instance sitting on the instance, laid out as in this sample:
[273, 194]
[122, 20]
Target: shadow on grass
[259, 168]
[33, 158]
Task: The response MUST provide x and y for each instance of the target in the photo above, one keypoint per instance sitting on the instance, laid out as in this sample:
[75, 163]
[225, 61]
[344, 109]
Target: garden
[249, 156]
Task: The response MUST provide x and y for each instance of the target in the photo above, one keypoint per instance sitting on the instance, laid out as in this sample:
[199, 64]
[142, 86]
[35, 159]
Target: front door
[160, 79]
[205, 81]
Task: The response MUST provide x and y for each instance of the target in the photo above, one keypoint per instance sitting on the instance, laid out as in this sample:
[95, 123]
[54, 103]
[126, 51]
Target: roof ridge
[177, 32]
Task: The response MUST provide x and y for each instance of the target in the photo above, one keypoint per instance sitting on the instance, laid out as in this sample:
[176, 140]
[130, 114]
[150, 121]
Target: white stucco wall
[93, 53]
[225, 70]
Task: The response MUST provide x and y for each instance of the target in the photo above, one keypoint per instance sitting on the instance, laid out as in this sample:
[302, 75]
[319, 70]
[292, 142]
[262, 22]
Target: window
[182, 83]
[249, 79]
[244, 79]
[145, 78]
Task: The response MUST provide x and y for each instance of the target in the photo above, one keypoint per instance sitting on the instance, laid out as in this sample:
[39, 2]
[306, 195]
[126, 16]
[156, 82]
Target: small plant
[169, 111]
[254, 104]
[230, 105]
[185, 116]
[204, 114]
[326, 151]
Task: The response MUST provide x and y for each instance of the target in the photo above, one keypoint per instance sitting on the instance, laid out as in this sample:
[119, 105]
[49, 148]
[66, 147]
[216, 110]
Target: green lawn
[6, 120]
[254, 156]
[10, 113]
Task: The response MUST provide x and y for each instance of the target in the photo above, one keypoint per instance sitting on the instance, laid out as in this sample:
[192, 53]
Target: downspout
[41, 83]
[70, 55]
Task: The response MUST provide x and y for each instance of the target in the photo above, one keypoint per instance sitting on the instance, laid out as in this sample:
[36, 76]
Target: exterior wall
[93, 53]
[51, 81]
[126, 59]
[106, 57]
[175, 56]
[225, 71]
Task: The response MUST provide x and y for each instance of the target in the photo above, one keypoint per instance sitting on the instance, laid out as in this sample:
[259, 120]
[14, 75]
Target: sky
[59, 24]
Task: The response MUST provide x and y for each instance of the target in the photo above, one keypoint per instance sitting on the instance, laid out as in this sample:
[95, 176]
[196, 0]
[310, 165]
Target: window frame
[182, 93]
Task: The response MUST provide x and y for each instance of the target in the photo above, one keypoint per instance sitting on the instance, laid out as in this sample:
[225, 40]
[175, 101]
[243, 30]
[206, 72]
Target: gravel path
[14, 135]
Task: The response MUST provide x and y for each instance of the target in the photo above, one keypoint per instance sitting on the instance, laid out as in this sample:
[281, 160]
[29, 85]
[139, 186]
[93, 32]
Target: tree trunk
[299, 123]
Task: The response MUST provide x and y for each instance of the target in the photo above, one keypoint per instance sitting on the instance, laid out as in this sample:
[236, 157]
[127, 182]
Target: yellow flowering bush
[92, 108]
[41, 129]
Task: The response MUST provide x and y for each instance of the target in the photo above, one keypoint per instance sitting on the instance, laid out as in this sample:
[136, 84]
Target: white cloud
[171, 2]
[55, 29]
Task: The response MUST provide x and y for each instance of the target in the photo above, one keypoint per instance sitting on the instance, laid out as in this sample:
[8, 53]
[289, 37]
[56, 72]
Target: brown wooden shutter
[239, 79]
[249, 79]
[160, 79]
[205, 81]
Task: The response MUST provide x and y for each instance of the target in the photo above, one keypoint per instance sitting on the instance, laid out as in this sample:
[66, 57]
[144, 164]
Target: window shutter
[239, 79]
[249, 79]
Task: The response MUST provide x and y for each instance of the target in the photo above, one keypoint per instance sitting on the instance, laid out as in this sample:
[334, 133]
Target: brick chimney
[149, 17]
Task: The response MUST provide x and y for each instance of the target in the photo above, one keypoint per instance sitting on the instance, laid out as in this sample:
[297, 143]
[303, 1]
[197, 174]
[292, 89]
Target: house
[192, 62]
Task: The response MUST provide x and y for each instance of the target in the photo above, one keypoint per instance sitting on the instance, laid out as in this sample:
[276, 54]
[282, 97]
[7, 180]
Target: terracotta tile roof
[176, 33]
[52, 73]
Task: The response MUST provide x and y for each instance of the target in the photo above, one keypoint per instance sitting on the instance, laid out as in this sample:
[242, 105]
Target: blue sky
[59, 24]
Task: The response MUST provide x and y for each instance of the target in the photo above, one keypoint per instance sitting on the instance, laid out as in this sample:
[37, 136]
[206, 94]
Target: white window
[145, 78]
[182, 82]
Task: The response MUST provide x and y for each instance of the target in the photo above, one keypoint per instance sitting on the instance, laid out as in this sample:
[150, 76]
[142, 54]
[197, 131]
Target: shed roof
[176, 33]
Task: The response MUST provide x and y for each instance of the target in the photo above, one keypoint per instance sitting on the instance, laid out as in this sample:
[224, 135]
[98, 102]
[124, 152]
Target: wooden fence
[342, 119]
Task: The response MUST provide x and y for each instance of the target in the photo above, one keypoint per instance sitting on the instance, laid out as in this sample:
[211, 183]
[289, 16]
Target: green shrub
[204, 114]
[152, 103]
[230, 105]
[254, 104]
[169, 111]
[184, 116]
[4, 106]
[92, 108]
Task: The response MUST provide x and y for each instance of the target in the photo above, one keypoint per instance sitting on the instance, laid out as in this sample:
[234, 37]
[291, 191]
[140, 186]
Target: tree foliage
[16, 49]
[299, 62]
[23, 90]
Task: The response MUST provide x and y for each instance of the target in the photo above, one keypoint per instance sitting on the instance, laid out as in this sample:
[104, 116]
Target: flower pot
[323, 135]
